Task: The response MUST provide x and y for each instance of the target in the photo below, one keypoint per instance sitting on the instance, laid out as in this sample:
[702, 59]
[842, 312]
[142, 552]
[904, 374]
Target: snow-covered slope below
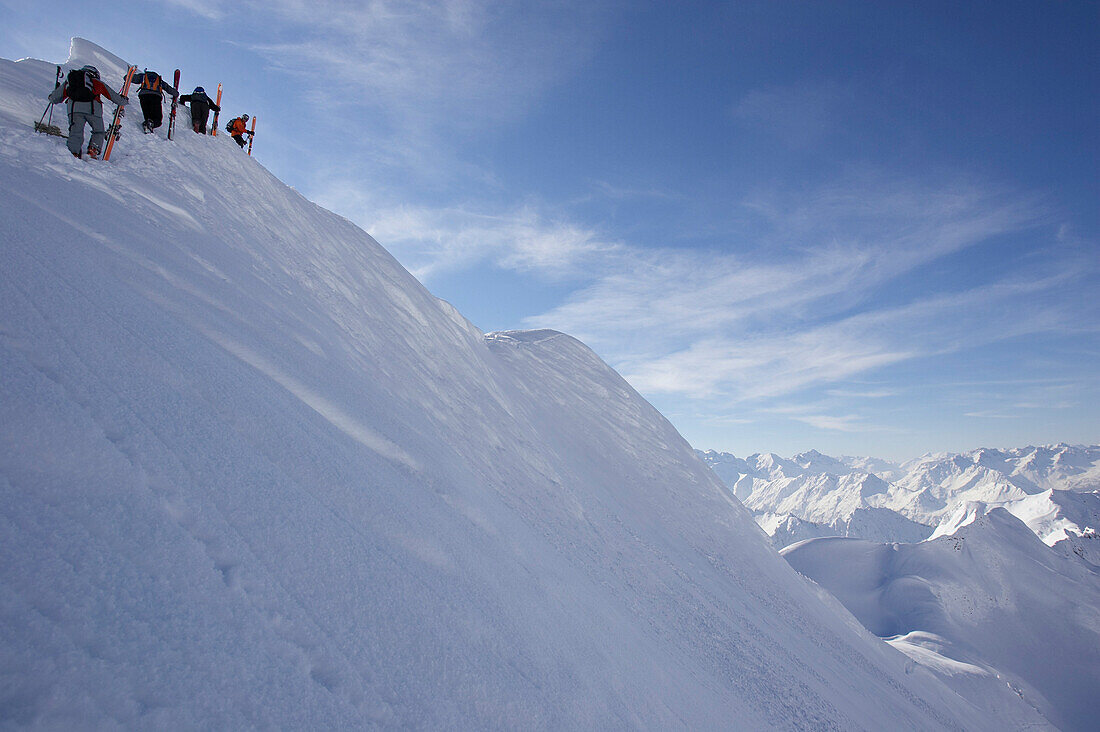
[987, 604]
[255, 475]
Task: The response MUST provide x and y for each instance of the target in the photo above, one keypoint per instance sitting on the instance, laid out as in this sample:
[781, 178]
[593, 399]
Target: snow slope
[987, 604]
[255, 475]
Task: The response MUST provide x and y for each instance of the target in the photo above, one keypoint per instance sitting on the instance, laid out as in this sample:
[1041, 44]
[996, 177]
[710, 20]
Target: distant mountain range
[1053, 489]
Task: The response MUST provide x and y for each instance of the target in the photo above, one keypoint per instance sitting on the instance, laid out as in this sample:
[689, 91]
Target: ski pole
[56, 83]
[43, 117]
[49, 107]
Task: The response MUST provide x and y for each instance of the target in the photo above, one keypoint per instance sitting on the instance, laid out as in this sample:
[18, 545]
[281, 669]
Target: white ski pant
[77, 120]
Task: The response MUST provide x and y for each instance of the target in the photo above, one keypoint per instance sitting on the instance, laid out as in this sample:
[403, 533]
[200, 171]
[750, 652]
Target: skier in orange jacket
[238, 128]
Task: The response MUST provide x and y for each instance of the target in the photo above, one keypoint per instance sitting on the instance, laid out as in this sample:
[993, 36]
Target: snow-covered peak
[83, 52]
[964, 514]
[771, 466]
[814, 462]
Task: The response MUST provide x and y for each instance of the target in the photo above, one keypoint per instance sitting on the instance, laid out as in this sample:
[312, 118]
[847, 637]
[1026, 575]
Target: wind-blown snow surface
[253, 474]
[989, 603]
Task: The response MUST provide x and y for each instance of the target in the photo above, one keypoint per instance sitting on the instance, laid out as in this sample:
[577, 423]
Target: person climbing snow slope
[201, 104]
[151, 88]
[238, 128]
[82, 91]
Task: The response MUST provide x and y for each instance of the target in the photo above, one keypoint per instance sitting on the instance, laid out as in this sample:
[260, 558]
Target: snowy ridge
[873, 524]
[990, 603]
[255, 475]
[821, 495]
[1063, 520]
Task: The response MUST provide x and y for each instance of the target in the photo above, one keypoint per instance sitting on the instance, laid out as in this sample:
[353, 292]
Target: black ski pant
[199, 113]
[239, 139]
[152, 109]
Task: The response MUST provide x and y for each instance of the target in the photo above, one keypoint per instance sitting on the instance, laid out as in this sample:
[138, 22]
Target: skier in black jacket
[151, 88]
[200, 108]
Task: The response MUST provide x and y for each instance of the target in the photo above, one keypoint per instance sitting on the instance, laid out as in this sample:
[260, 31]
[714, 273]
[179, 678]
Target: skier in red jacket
[82, 91]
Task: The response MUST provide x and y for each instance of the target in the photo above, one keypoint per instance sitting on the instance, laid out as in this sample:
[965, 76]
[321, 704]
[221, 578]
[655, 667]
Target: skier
[82, 91]
[201, 105]
[151, 96]
[238, 128]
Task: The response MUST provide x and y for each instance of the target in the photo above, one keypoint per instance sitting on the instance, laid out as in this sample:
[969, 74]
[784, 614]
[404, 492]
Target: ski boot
[93, 152]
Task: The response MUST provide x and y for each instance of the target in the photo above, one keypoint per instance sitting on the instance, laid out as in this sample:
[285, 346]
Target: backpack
[80, 87]
[229, 126]
[151, 80]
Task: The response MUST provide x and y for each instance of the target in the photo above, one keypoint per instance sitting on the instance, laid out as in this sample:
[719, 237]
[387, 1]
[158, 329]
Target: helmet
[92, 70]
[199, 90]
[244, 117]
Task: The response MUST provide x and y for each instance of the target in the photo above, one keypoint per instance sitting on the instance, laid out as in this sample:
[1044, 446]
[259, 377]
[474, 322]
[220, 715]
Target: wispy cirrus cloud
[751, 366]
[808, 309]
[843, 423]
[431, 241]
[862, 394]
[990, 414]
[417, 60]
[436, 240]
[822, 253]
[404, 82]
[209, 9]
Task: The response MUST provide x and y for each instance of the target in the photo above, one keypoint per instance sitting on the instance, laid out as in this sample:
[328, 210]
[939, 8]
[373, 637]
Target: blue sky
[860, 227]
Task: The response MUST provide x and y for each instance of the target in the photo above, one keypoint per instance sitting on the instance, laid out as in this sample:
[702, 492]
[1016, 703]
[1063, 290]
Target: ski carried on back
[175, 102]
[217, 108]
[115, 130]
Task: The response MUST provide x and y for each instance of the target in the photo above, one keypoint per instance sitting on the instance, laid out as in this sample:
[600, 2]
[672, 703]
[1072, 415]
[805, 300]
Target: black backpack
[80, 86]
[229, 125]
